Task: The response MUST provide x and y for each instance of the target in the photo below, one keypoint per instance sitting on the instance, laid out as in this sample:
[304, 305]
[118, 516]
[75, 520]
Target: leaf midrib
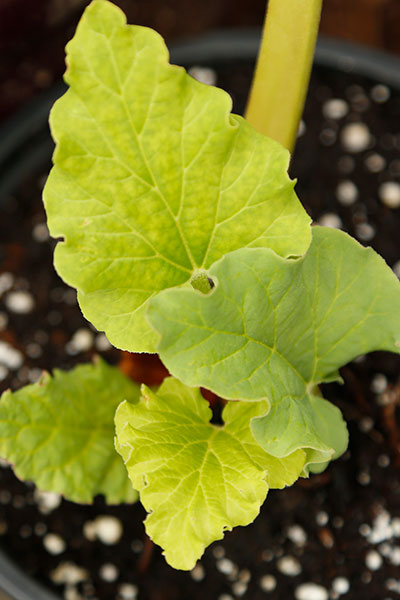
[139, 143]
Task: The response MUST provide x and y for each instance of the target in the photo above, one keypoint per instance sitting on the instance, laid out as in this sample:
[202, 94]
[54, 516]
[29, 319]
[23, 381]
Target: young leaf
[154, 179]
[275, 328]
[59, 432]
[196, 479]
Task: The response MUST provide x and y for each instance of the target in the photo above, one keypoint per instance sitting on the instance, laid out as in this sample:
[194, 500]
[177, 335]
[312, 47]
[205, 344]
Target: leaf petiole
[283, 68]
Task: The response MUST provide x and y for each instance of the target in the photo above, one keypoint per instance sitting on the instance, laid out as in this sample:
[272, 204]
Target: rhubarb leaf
[196, 479]
[274, 328]
[59, 432]
[154, 179]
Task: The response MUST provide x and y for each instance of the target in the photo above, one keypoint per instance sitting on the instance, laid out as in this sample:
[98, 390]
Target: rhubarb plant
[182, 233]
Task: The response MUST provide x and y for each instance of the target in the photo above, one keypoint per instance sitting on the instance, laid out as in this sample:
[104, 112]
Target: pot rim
[29, 126]
[19, 586]
[220, 45]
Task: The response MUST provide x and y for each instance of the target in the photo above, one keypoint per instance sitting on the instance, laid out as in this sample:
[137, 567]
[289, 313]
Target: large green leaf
[59, 432]
[275, 328]
[196, 479]
[153, 177]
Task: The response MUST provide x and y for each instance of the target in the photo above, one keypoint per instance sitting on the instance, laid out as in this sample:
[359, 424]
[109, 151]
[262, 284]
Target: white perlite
[355, 137]
[373, 560]
[338, 522]
[239, 588]
[47, 501]
[71, 593]
[383, 461]
[394, 556]
[198, 572]
[347, 192]
[34, 375]
[102, 344]
[364, 478]
[226, 566]
[340, 585]
[311, 591]
[109, 572]
[385, 549]
[54, 544]
[267, 583]
[218, 551]
[128, 591]
[393, 585]
[69, 573]
[365, 232]
[396, 526]
[366, 424]
[203, 74]
[381, 528]
[106, 528]
[244, 575]
[81, 341]
[10, 357]
[40, 232]
[322, 518]
[375, 163]
[330, 220]
[380, 93]
[364, 529]
[20, 302]
[288, 565]
[389, 194]
[379, 383]
[335, 108]
[297, 535]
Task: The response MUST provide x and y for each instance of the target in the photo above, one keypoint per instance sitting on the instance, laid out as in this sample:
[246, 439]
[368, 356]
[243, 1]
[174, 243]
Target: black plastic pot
[25, 145]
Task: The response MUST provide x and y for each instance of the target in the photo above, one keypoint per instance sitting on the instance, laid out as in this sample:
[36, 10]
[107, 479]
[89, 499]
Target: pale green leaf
[59, 432]
[154, 179]
[196, 479]
[275, 328]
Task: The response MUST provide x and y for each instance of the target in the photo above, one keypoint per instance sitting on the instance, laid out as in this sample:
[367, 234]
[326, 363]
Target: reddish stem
[146, 555]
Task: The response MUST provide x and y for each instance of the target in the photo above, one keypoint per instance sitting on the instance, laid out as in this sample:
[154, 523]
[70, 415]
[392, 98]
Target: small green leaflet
[154, 179]
[274, 329]
[196, 479]
[59, 433]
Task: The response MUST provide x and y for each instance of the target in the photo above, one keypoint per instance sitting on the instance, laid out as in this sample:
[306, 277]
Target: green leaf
[154, 179]
[196, 479]
[275, 328]
[59, 433]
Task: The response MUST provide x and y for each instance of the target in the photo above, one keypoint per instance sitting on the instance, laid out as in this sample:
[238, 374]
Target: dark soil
[32, 42]
[344, 523]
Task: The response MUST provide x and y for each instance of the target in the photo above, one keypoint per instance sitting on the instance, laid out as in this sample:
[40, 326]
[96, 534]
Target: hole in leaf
[212, 284]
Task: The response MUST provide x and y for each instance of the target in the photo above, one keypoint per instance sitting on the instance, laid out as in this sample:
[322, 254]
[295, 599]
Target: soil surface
[32, 42]
[334, 535]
